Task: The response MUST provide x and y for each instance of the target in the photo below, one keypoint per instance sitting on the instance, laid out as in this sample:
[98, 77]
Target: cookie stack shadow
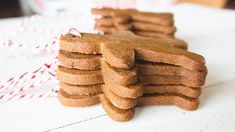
[146, 24]
[124, 71]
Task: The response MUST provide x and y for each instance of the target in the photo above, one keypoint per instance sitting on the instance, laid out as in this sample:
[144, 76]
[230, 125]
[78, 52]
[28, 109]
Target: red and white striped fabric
[18, 87]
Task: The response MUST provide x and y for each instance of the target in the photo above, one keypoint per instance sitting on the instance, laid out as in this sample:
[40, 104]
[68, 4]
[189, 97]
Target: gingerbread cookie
[114, 112]
[80, 89]
[79, 77]
[122, 54]
[105, 29]
[119, 76]
[118, 101]
[127, 91]
[77, 100]
[108, 12]
[148, 68]
[183, 102]
[152, 34]
[153, 27]
[177, 89]
[105, 22]
[87, 43]
[161, 79]
[165, 19]
[79, 61]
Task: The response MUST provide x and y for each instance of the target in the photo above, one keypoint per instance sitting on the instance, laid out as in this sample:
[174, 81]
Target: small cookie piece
[173, 89]
[79, 61]
[161, 79]
[79, 77]
[120, 102]
[119, 76]
[148, 68]
[115, 113]
[81, 90]
[77, 100]
[153, 34]
[182, 102]
[153, 27]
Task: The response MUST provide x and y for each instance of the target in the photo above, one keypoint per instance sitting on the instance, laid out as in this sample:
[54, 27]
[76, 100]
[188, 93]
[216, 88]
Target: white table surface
[210, 32]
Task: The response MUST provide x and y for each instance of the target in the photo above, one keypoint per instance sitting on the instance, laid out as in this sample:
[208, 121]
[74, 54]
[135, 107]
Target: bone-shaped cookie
[121, 115]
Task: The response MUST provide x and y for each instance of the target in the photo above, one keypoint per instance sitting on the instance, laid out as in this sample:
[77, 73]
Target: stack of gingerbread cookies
[79, 71]
[132, 71]
[141, 23]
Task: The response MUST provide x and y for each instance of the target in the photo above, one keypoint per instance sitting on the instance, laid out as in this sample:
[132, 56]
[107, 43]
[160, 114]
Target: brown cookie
[88, 43]
[148, 68]
[149, 17]
[114, 112]
[119, 76]
[165, 19]
[105, 22]
[173, 89]
[120, 102]
[126, 35]
[161, 79]
[107, 12]
[153, 34]
[106, 29]
[154, 28]
[183, 102]
[79, 77]
[122, 54]
[121, 17]
[79, 61]
[129, 91]
[123, 27]
[81, 90]
[77, 100]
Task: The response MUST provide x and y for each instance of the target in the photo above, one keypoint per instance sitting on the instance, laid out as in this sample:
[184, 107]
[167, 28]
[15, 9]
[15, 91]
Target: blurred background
[17, 8]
